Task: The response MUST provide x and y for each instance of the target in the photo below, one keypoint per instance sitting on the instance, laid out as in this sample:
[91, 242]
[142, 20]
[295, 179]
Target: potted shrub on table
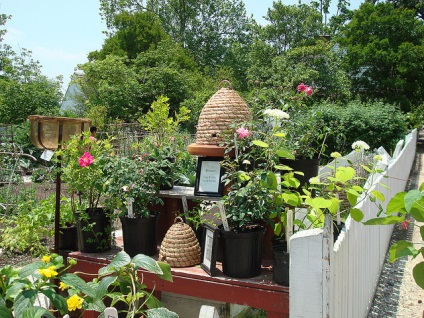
[259, 187]
[84, 171]
[161, 142]
[133, 190]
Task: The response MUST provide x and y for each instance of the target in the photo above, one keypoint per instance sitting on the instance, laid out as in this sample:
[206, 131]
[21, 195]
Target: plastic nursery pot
[242, 253]
[139, 234]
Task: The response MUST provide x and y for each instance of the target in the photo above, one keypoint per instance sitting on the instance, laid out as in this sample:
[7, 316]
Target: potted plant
[133, 191]
[255, 192]
[338, 190]
[84, 170]
[21, 289]
[305, 133]
[161, 142]
[68, 229]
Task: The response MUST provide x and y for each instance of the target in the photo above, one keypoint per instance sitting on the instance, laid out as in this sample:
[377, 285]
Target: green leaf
[401, 249]
[418, 273]
[121, 259]
[318, 202]
[396, 204]
[284, 153]
[422, 232]
[24, 300]
[36, 312]
[352, 196]
[411, 198]
[243, 176]
[421, 188]
[378, 195]
[160, 313]
[260, 143]
[334, 207]
[356, 214]
[102, 288]
[147, 263]
[58, 301]
[291, 199]
[417, 211]
[385, 221]
[29, 269]
[344, 174]
[77, 282]
[5, 313]
[283, 167]
[166, 270]
[277, 229]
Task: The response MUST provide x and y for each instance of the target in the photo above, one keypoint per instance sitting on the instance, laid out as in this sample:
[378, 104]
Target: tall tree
[207, 28]
[291, 26]
[23, 89]
[385, 53]
[416, 5]
[134, 33]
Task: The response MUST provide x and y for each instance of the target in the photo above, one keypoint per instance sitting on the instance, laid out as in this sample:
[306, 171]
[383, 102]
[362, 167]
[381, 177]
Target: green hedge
[377, 124]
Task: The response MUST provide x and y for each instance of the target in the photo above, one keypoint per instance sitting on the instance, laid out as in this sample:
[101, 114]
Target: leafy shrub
[25, 230]
[378, 124]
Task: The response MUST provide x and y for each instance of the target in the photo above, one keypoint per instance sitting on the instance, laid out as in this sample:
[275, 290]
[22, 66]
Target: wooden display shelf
[258, 292]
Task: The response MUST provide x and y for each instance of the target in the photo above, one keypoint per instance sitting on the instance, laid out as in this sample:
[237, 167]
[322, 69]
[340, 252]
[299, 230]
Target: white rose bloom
[276, 114]
[360, 145]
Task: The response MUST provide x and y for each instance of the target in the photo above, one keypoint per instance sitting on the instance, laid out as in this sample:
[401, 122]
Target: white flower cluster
[276, 114]
[360, 145]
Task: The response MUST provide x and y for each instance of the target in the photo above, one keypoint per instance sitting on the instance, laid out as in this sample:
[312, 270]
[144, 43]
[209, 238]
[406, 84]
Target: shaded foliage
[385, 54]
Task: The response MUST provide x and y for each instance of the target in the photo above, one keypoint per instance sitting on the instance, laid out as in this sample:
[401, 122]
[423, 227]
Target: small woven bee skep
[221, 110]
[180, 247]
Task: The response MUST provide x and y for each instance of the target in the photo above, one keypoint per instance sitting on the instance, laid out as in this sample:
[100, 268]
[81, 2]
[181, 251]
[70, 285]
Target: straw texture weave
[221, 110]
[180, 247]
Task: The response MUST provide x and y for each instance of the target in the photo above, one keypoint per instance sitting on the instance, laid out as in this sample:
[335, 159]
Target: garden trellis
[11, 155]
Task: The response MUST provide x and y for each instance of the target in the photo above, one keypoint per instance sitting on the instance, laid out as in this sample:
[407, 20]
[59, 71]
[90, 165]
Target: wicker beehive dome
[180, 247]
[222, 109]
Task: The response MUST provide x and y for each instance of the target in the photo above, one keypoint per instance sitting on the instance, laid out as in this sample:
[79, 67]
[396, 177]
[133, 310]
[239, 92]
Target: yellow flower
[74, 302]
[46, 259]
[63, 286]
[48, 272]
[335, 155]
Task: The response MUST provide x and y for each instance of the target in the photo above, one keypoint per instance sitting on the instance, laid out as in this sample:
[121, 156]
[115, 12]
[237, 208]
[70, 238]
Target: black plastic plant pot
[93, 231]
[242, 253]
[139, 235]
[281, 265]
[68, 238]
[309, 167]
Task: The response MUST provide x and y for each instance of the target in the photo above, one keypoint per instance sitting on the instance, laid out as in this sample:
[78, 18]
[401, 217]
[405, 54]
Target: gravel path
[397, 294]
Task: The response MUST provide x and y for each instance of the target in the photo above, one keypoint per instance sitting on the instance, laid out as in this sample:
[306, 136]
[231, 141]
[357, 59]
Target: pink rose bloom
[302, 87]
[308, 91]
[86, 159]
[242, 132]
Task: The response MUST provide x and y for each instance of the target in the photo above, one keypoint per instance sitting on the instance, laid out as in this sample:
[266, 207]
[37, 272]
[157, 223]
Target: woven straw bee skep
[180, 247]
[222, 109]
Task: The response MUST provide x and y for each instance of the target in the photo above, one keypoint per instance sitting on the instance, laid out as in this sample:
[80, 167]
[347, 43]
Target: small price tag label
[185, 206]
[47, 155]
[223, 216]
[130, 207]
[289, 228]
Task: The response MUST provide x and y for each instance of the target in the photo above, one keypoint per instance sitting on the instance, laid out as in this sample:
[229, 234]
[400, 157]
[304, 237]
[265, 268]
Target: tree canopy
[385, 53]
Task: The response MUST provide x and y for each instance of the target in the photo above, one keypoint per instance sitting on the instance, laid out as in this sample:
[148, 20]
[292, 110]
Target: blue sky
[61, 33]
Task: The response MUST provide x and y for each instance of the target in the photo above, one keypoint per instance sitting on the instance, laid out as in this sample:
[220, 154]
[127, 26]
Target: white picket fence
[338, 279]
